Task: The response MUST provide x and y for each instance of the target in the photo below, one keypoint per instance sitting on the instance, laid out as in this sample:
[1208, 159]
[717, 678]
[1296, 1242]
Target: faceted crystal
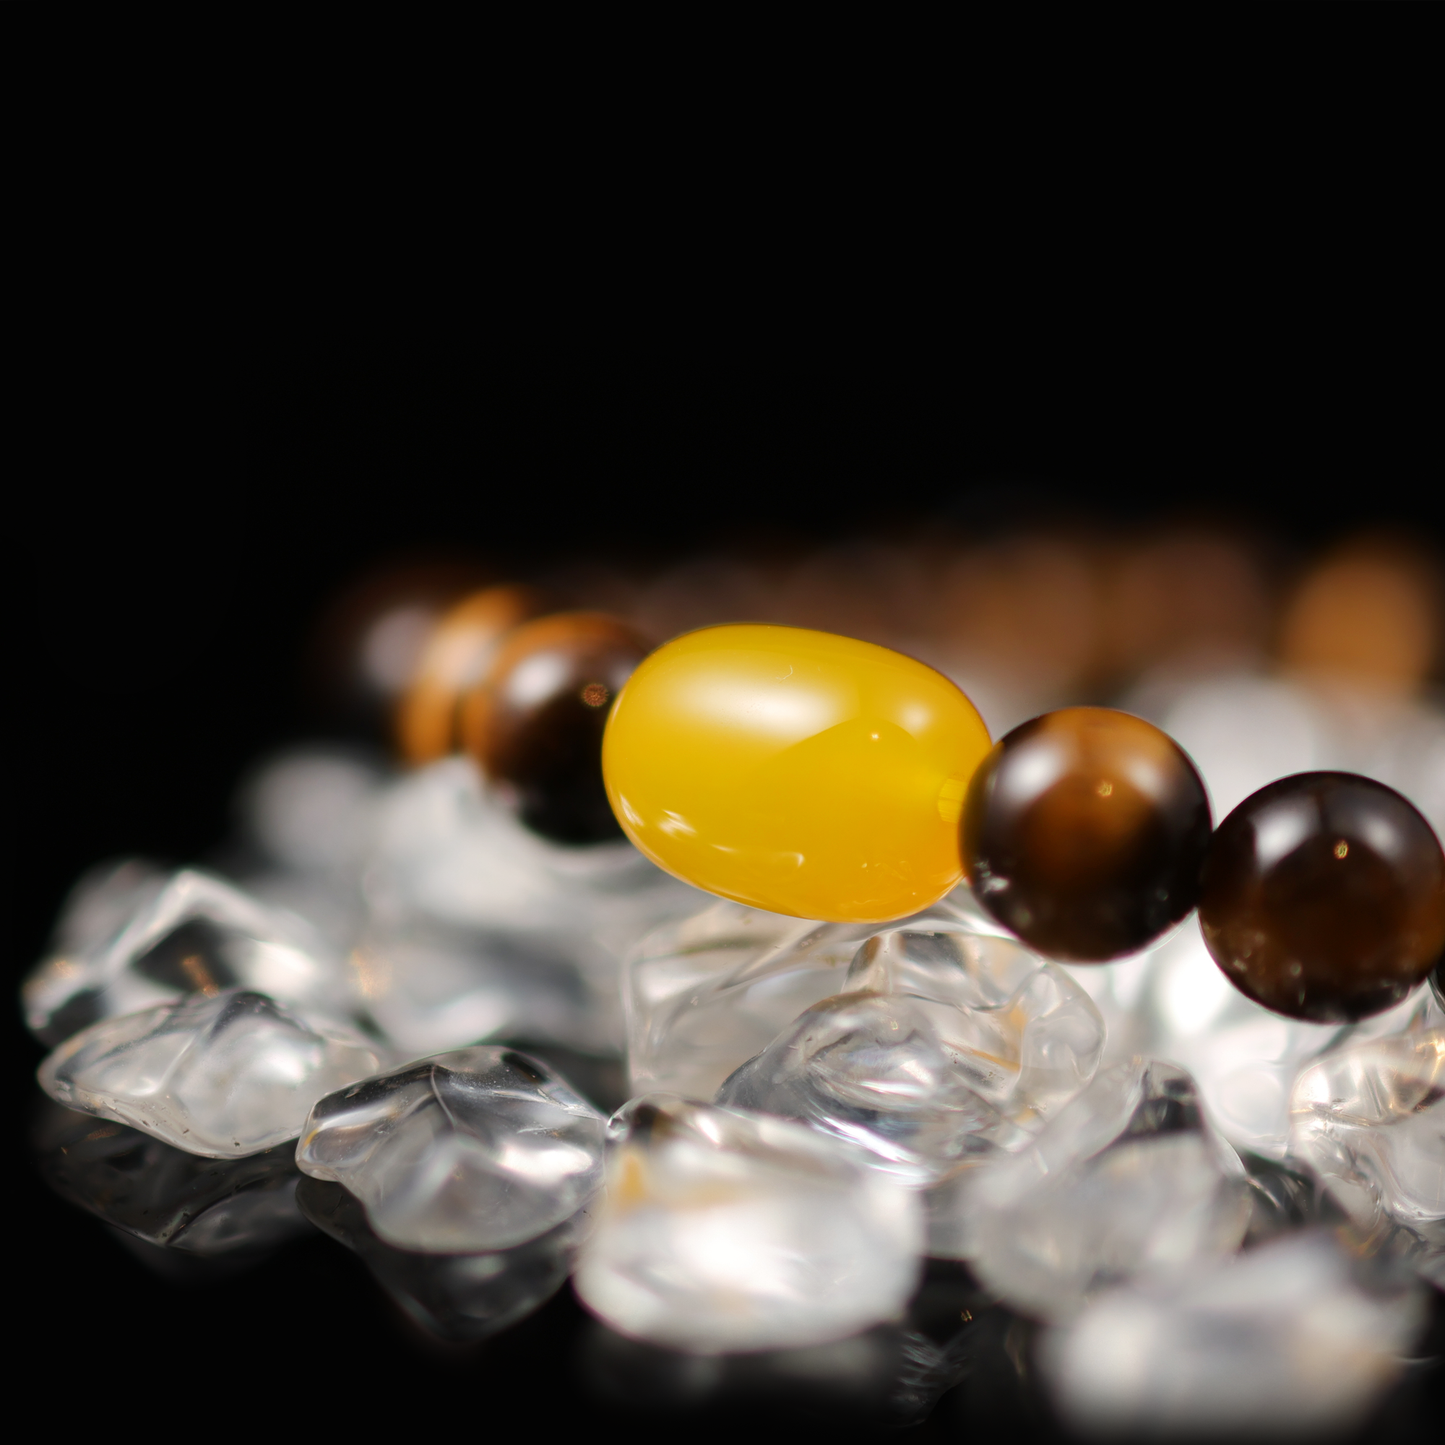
[1281, 1340]
[475, 1150]
[1369, 1120]
[222, 1075]
[132, 939]
[208, 1207]
[1126, 1180]
[705, 994]
[724, 1230]
[456, 1296]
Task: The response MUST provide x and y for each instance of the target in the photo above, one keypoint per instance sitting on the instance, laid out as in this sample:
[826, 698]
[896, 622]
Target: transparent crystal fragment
[476, 1150]
[221, 1075]
[453, 873]
[134, 940]
[455, 1296]
[208, 1207]
[1369, 1120]
[891, 1375]
[1283, 1340]
[1243, 1058]
[1128, 1179]
[723, 1230]
[706, 993]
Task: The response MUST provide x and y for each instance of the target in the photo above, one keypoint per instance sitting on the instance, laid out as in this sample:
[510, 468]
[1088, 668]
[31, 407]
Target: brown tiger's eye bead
[536, 723]
[456, 657]
[1324, 897]
[1084, 831]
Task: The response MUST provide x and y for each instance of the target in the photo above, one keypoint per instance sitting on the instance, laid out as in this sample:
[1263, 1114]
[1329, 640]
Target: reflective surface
[1084, 832]
[795, 771]
[536, 724]
[1324, 897]
[456, 657]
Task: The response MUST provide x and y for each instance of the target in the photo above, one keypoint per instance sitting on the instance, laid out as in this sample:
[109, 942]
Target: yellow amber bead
[795, 771]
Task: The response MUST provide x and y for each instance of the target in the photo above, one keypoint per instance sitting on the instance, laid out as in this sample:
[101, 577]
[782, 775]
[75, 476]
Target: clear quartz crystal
[954, 1047]
[133, 938]
[1369, 1120]
[477, 926]
[165, 1196]
[1127, 1179]
[462, 1297]
[1281, 1340]
[475, 1150]
[706, 993]
[222, 1075]
[724, 1230]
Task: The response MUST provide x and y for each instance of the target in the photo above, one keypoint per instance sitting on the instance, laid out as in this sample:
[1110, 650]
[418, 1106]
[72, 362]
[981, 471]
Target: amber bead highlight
[457, 656]
[1324, 897]
[535, 724]
[1084, 832]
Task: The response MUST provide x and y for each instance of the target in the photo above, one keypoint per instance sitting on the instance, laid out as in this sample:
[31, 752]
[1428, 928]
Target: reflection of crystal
[1279, 1340]
[705, 994]
[455, 1296]
[1370, 1121]
[890, 1375]
[730, 1231]
[468, 906]
[221, 1075]
[164, 1195]
[138, 940]
[479, 1149]
[1126, 1180]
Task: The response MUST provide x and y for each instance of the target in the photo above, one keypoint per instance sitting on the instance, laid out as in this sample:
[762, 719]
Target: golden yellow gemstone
[795, 771]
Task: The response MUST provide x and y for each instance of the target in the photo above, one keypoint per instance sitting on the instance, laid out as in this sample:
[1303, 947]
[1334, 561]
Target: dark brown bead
[1084, 832]
[536, 723]
[1324, 897]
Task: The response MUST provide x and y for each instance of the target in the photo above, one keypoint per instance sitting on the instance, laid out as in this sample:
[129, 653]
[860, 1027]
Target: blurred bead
[1324, 897]
[457, 656]
[536, 723]
[795, 771]
[1084, 832]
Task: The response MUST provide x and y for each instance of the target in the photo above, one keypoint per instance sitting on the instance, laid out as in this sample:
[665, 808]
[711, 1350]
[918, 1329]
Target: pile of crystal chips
[406, 1020]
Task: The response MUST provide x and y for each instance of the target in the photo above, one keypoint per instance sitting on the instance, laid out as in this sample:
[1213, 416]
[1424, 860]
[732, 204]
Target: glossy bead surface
[456, 657]
[1324, 897]
[795, 771]
[535, 724]
[1085, 831]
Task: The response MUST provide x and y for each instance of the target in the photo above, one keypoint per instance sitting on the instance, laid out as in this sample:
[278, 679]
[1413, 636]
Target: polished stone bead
[1084, 832]
[535, 725]
[1324, 897]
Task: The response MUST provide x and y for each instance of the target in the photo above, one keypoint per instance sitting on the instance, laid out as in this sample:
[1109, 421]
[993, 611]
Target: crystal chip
[724, 1230]
[207, 1207]
[1127, 1179]
[1369, 1120]
[1281, 1340]
[222, 1075]
[706, 993]
[455, 1296]
[136, 939]
[475, 1150]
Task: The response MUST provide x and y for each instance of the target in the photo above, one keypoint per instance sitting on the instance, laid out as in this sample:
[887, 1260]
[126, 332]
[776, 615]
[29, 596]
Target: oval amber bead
[795, 771]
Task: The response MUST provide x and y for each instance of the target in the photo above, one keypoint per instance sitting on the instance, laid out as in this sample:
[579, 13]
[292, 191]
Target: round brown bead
[1084, 832]
[536, 723]
[1324, 897]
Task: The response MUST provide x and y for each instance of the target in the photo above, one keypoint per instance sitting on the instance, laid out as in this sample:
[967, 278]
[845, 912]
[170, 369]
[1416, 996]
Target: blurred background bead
[457, 656]
[1084, 832]
[536, 723]
[1324, 897]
